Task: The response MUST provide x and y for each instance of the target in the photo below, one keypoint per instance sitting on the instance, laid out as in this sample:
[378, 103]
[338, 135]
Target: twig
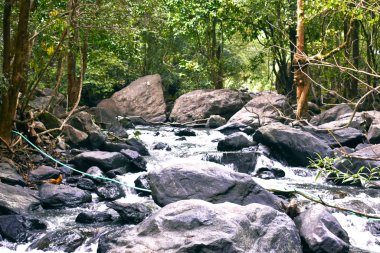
[7, 145]
[321, 201]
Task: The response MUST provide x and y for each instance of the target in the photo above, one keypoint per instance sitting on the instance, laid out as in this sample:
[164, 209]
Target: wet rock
[374, 227]
[207, 181]
[293, 145]
[43, 173]
[131, 144]
[201, 104]
[142, 182]
[215, 121]
[49, 120]
[321, 232]
[116, 172]
[264, 108]
[13, 228]
[83, 121]
[67, 240]
[104, 160]
[131, 213]
[199, 226]
[41, 101]
[110, 191]
[183, 138]
[231, 128]
[16, 199]
[95, 173]
[269, 173]
[93, 217]
[349, 137]
[358, 205]
[331, 114]
[144, 97]
[96, 139]
[243, 162]
[235, 141]
[135, 160]
[9, 175]
[74, 136]
[107, 119]
[162, 146]
[185, 132]
[313, 108]
[57, 196]
[363, 158]
[374, 134]
[86, 184]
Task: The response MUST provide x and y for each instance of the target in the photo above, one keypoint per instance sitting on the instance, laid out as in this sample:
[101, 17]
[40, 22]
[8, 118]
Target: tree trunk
[300, 63]
[17, 78]
[72, 80]
[353, 87]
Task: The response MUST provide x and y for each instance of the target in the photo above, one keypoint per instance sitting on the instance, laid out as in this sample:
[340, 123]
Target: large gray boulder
[16, 199]
[201, 104]
[198, 226]
[264, 108]
[143, 97]
[293, 145]
[331, 114]
[57, 196]
[9, 175]
[186, 179]
[104, 160]
[374, 134]
[321, 231]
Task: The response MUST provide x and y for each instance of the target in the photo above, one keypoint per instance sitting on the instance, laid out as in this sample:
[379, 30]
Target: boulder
[144, 97]
[264, 108]
[49, 120]
[215, 121]
[95, 173]
[135, 161]
[208, 181]
[83, 121]
[110, 191]
[360, 121]
[349, 137]
[162, 146]
[199, 226]
[142, 181]
[331, 114]
[235, 141]
[107, 119]
[65, 240]
[43, 173]
[86, 184]
[231, 128]
[104, 160]
[57, 196]
[74, 136]
[321, 232]
[93, 217]
[132, 213]
[16, 199]
[374, 134]
[367, 158]
[185, 132]
[42, 99]
[13, 228]
[9, 175]
[201, 104]
[243, 162]
[131, 144]
[293, 145]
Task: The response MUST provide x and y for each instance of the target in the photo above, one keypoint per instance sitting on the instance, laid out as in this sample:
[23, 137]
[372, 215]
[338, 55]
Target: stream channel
[204, 147]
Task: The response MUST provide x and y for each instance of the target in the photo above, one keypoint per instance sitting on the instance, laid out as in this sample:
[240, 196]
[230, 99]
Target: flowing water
[201, 147]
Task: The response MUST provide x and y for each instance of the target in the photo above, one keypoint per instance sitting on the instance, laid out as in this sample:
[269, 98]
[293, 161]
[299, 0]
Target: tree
[15, 72]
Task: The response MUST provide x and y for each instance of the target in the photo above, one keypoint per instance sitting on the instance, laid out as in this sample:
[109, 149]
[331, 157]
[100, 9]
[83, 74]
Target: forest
[101, 46]
[190, 126]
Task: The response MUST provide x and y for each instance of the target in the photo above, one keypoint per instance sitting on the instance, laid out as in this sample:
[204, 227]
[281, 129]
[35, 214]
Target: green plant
[326, 167]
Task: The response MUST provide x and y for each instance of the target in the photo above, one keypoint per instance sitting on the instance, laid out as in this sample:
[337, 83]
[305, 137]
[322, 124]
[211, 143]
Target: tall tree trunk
[353, 88]
[17, 78]
[300, 63]
[7, 38]
[215, 58]
[72, 80]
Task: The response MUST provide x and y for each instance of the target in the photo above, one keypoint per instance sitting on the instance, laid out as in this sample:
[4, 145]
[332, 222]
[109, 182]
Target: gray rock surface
[201, 104]
[104, 160]
[198, 226]
[16, 199]
[207, 181]
[321, 231]
[331, 114]
[235, 141]
[9, 175]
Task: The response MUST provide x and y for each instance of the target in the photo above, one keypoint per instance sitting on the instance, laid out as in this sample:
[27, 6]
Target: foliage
[325, 167]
